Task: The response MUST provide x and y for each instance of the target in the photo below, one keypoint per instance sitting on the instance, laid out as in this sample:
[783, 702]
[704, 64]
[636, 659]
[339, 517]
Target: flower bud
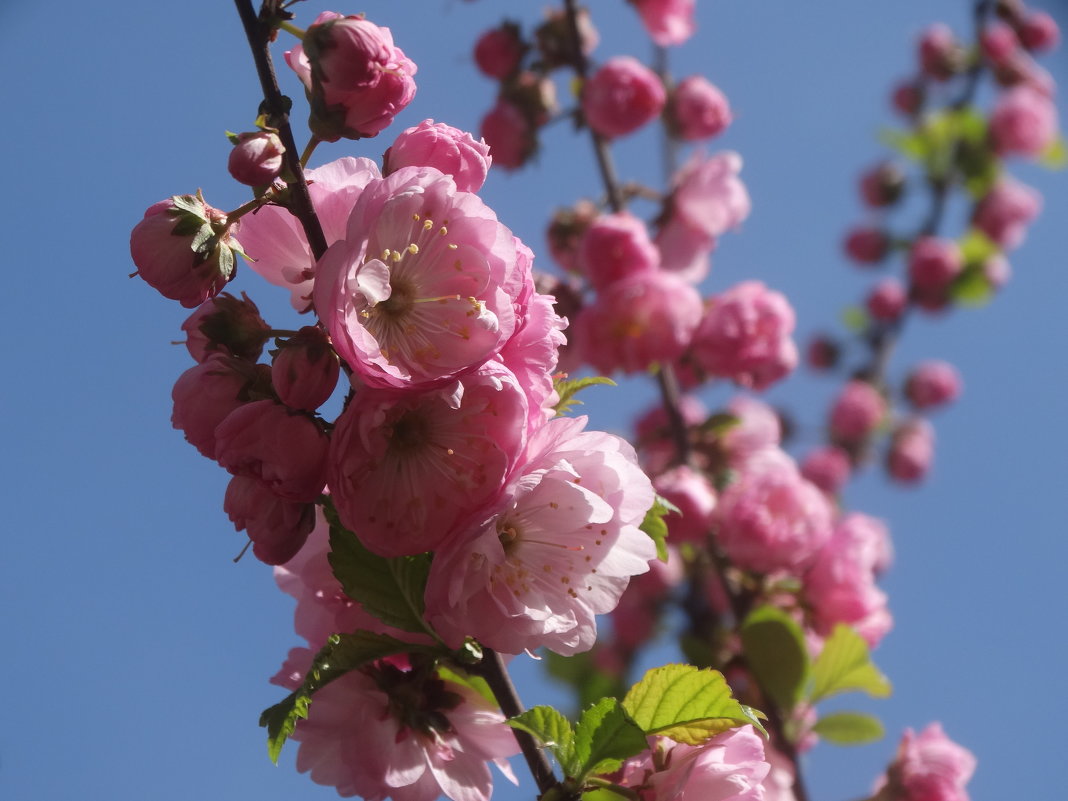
[510, 136]
[226, 325]
[566, 229]
[256, 159]
[866, 246]
[622, 96]
[932, 384]
[823, 353]
[615, 247]
[1039, 31]
[856, 413]
[828, 468]
[448, 149]
[278, 528]
[940, 55]
[183, 248]
[886, 301]
[998, 43]
[928, 767]
[698, 110]
[1005, 212]
[882, 185]
[668, 22]
[907, 98]
[934, 263]
[499, 50]
[1024, 122]
[911, 451]
[305, 369]
[555, 42]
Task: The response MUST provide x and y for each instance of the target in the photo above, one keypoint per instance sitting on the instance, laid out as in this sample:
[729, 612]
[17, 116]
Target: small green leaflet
[775, 649]
[605, 736]
[976, 247]
[849, 728]
[687, 704]
[552, 730]
[1055, 157]
[656, 528]
[855, 319]
[844, 665]
[568, 388]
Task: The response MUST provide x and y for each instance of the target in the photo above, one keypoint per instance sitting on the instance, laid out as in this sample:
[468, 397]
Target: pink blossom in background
[911, 451]
[771, 518]
[1005, 212]
[655, 441]
[745, 336]
[557, 551]
[1039, 31]
[161, 246]
[882, 185]
[226, 325]
[635, 617]
[669, 22]
[684, 249]
[256, 159]
[907, 97]
[509, 134]
[1023, 122]
[448, 149]
[636, 322]
[356, 79]
[779, 783]
[274, 239]
[938, 54]
[709, 195]
[439, 740]
[614, 247]
[404, 467]
[532, 356]
[498, 51]
[887, 300]
[828, 468]
[278, 528]
[758, 430]
[932, 384]
[856, 412]
[305, 370]
[622, 96]
[695, 497]
[866, 246]
[699, 110]
[928, 767]
[421, 290]
[998, 43]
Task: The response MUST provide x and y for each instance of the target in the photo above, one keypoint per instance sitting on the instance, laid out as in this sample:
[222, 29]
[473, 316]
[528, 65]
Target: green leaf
[976, 247]
[1055, 157]
[844, 665]
[686, 704]
[568, 388]
[720, 423]
[774, 647]
[390, 589]
[655, 526]
[849, 728]
[972, 287]
[605, 736]
[855, 319]
[342, 653]
[551, 729]
[907, 143]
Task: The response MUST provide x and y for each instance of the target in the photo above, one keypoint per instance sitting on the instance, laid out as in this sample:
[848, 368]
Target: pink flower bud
[822, 353]
[622, 96]
[745, 336]
[928, 767]
[698, 110]
[499, 50]
[939, 53]
[932, 384]
[565, 233]
[1006, 210]
[934, 263]
[856, 412]
[911, 451]
[866, 246]
[1024, 122]
[183, 248]
[882, 185]
[1039, 31]
[226, 325]
[887, 300]
[256, 159]
[999, 43]
[828, 468]
[305, 370]
[283, 450]
[709, 195]
[668, 22]
[278, 528]
[448, 149]
[510, 137]
[614, 247]
[695, 497]
[907, 98]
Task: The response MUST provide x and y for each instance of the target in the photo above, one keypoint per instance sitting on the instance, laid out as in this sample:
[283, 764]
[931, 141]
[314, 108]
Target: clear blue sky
[137, 654]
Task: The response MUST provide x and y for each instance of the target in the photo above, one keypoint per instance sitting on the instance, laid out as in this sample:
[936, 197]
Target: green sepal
[604, 737]
[568, 388]
[550, 728]
[844, 665]
[775, 649]
[849, 728]
[656, 527]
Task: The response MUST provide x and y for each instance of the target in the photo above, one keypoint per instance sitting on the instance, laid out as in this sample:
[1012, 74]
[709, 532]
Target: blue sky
[137, 654]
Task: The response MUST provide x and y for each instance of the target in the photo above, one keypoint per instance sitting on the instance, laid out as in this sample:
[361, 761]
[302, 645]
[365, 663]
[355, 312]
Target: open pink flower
[422, 288]
[435, 144]
[278, 528]
[709, 195]
[928, 767]
[557, 551]
[668, 22]
[622, 96]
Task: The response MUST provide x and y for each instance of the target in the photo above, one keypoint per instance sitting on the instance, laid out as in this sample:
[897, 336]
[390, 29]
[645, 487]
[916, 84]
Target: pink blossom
[934, 263]
[779, 783]
[857, 411]
[928, 767]
[509, 134]
[256, 158]
[907, 98]
[622, 96]
[695, 497]
[759, 429]
[828, 468]
[822, 353]
[911, 451]
[866, 246]
[1023, 122]
[448, 149]
[557, 550]
[284, 450]
[405, 467]
[938, 52]
[278, 528]
[305, 370]
[1005, 212]
[226, 325]
[745, 336]
[533, 352]
[1039, 31]
[635, 617]
[708, 194]
[932, 384]
[421, 290]
[614, 247]
[771, 518]
[668, 22]
[882, 185]
[184, 249]
[383, 733]
[655, 439]
[699, 110]
[729, 767]
[999, 43]
[356, 79]
[498, 51]
[205, 394]
[684, 249]
[887, 300]
[647, 318]
[565, 232]
[274, 239]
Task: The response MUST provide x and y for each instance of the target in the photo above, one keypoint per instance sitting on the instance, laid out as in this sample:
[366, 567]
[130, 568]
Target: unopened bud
[305, 369]
[256, 159]
[226, 325]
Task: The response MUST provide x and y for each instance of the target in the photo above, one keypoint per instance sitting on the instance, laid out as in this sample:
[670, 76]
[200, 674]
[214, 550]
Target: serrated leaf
[341, 654]
[605, 736]
[855, 319]
[189, 203]
[550, 728]
[390, 589]
[656, 527]
[844, 665]
[1055, 156]
[686, 704]
[568, 388]
[849, 728]
[775, 649]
